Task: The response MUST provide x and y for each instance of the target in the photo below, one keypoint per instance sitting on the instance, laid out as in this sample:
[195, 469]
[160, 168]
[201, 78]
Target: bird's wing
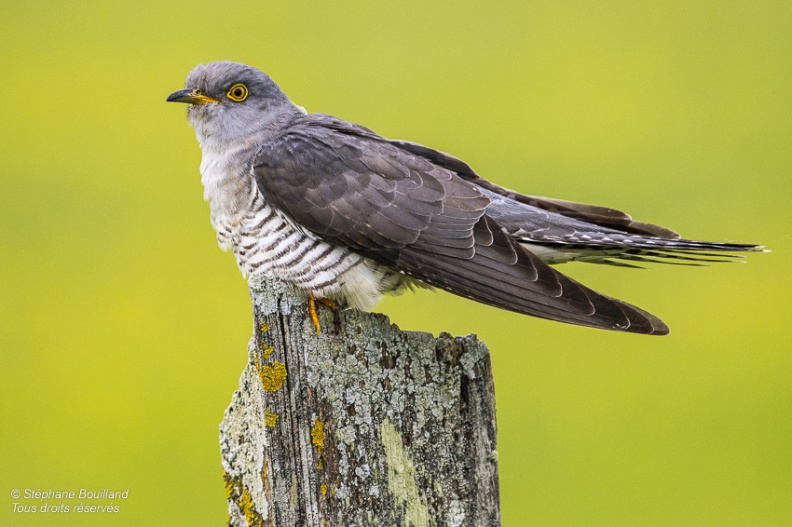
[593, 214]
[549, 221]
[353, 188]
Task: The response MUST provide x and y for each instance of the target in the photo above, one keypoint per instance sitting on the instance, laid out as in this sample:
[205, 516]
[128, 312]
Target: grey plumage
[347, 214]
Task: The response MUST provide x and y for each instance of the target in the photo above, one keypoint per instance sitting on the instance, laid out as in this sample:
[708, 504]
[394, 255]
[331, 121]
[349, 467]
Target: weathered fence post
[361, 425]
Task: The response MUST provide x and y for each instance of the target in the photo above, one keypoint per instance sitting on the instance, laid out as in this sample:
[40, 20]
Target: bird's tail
[631, 251]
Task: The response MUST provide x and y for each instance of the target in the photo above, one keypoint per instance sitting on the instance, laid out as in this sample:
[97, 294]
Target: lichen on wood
[373, 426]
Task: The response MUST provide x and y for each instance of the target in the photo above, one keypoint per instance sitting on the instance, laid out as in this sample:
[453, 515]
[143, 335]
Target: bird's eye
[238, 93]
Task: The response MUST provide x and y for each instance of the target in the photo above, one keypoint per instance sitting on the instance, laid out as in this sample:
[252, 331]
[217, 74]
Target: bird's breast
[267, 242]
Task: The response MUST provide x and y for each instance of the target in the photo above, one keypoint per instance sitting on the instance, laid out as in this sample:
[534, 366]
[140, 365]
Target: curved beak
[190, 96]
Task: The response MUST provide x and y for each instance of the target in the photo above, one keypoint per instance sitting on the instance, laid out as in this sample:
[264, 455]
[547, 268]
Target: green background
[123, 328]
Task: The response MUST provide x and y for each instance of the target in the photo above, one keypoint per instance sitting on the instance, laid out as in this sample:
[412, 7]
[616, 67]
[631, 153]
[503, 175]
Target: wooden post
[361, 425]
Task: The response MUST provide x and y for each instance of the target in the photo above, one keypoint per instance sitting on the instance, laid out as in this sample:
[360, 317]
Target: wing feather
[593, 214]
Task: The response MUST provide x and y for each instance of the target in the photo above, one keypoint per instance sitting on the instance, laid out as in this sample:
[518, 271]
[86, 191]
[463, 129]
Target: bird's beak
[190, 96]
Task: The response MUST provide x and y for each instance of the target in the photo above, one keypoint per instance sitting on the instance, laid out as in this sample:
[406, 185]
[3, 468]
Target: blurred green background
[123, 328]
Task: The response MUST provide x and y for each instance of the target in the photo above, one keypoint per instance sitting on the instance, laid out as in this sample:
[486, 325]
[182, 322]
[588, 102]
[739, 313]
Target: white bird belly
[267, 243]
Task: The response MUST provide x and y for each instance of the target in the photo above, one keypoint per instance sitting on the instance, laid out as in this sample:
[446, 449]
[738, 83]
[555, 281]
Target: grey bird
[348, 215]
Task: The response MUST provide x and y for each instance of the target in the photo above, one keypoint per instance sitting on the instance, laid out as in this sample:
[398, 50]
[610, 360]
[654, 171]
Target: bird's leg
[312, 312]
[312, 309]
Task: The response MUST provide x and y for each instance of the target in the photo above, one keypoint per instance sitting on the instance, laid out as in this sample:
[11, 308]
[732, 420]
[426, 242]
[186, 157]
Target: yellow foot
[312, 309]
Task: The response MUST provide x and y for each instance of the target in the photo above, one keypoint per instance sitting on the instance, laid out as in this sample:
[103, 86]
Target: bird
[347, 215]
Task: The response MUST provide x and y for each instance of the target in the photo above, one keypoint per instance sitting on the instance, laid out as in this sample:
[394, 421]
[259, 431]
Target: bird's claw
[312, 309]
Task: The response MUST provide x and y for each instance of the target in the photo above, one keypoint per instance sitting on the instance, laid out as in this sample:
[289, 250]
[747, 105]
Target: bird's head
[232, 103]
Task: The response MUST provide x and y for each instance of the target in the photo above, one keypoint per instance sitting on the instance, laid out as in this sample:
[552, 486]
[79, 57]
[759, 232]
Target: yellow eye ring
[237, 93]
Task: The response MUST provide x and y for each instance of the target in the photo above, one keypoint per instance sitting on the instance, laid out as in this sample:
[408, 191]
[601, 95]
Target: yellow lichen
[317, 439]
[323, 488]
[236, 492]
[248, 508]
[229, 485]
[264, 327]
[272, 377]
[266, 351]
[270, 418]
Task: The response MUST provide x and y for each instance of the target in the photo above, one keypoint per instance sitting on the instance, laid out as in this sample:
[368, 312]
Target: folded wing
[353, 188]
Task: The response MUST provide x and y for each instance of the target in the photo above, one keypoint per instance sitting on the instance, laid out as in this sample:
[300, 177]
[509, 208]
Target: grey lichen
[456, 514]
[401, 477]
[245, 446]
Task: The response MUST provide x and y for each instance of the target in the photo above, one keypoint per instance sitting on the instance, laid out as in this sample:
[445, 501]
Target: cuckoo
[347, 215]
